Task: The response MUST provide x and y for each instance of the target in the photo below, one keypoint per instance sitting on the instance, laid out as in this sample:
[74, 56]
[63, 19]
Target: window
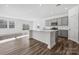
[11, 24]
[25, 27]
[3, 24]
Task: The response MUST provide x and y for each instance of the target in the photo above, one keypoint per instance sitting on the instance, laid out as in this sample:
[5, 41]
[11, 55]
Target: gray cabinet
[64, 21]
[51, 22]
[63, 33]
[47, 23]
[60, 21]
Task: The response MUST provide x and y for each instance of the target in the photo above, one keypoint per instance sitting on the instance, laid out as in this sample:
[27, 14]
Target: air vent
[58, 5]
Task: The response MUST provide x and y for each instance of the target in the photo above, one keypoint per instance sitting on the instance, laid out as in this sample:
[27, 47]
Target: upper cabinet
[47, 23]
[64, 21]
[61, 21]
[54, 22]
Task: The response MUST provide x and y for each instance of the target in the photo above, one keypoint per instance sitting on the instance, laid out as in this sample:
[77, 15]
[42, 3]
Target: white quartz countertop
[46, 30]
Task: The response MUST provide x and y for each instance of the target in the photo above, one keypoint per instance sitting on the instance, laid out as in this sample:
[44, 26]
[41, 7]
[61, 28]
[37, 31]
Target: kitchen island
[46, 36]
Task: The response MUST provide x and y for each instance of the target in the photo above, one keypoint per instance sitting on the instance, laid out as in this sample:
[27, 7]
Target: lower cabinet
[63, 33]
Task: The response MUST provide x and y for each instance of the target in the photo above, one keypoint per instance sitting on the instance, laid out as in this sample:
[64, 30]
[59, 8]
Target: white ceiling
[34, 11]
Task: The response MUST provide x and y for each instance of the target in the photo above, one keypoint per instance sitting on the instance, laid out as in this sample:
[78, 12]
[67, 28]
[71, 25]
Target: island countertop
[46, 30]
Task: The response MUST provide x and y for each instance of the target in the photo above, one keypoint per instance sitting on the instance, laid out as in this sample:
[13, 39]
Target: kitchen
[53, 28]
[49, 29]
[38, 24]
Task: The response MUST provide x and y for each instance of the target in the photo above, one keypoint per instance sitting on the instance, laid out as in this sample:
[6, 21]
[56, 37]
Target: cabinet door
[73, 24]
[59, 21]
[76, 27]
[64, 21]
[59, 33]
[63, 33]
[47, 23]
[71, 28]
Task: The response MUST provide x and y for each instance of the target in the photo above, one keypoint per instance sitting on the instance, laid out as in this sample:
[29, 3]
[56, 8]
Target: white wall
[38, 23]
[18, 26]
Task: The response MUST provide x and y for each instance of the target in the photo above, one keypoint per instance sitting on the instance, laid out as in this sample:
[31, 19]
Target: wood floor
[25, 46]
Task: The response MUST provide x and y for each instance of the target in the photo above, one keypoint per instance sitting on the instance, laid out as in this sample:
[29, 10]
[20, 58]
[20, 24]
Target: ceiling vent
[58, 5]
